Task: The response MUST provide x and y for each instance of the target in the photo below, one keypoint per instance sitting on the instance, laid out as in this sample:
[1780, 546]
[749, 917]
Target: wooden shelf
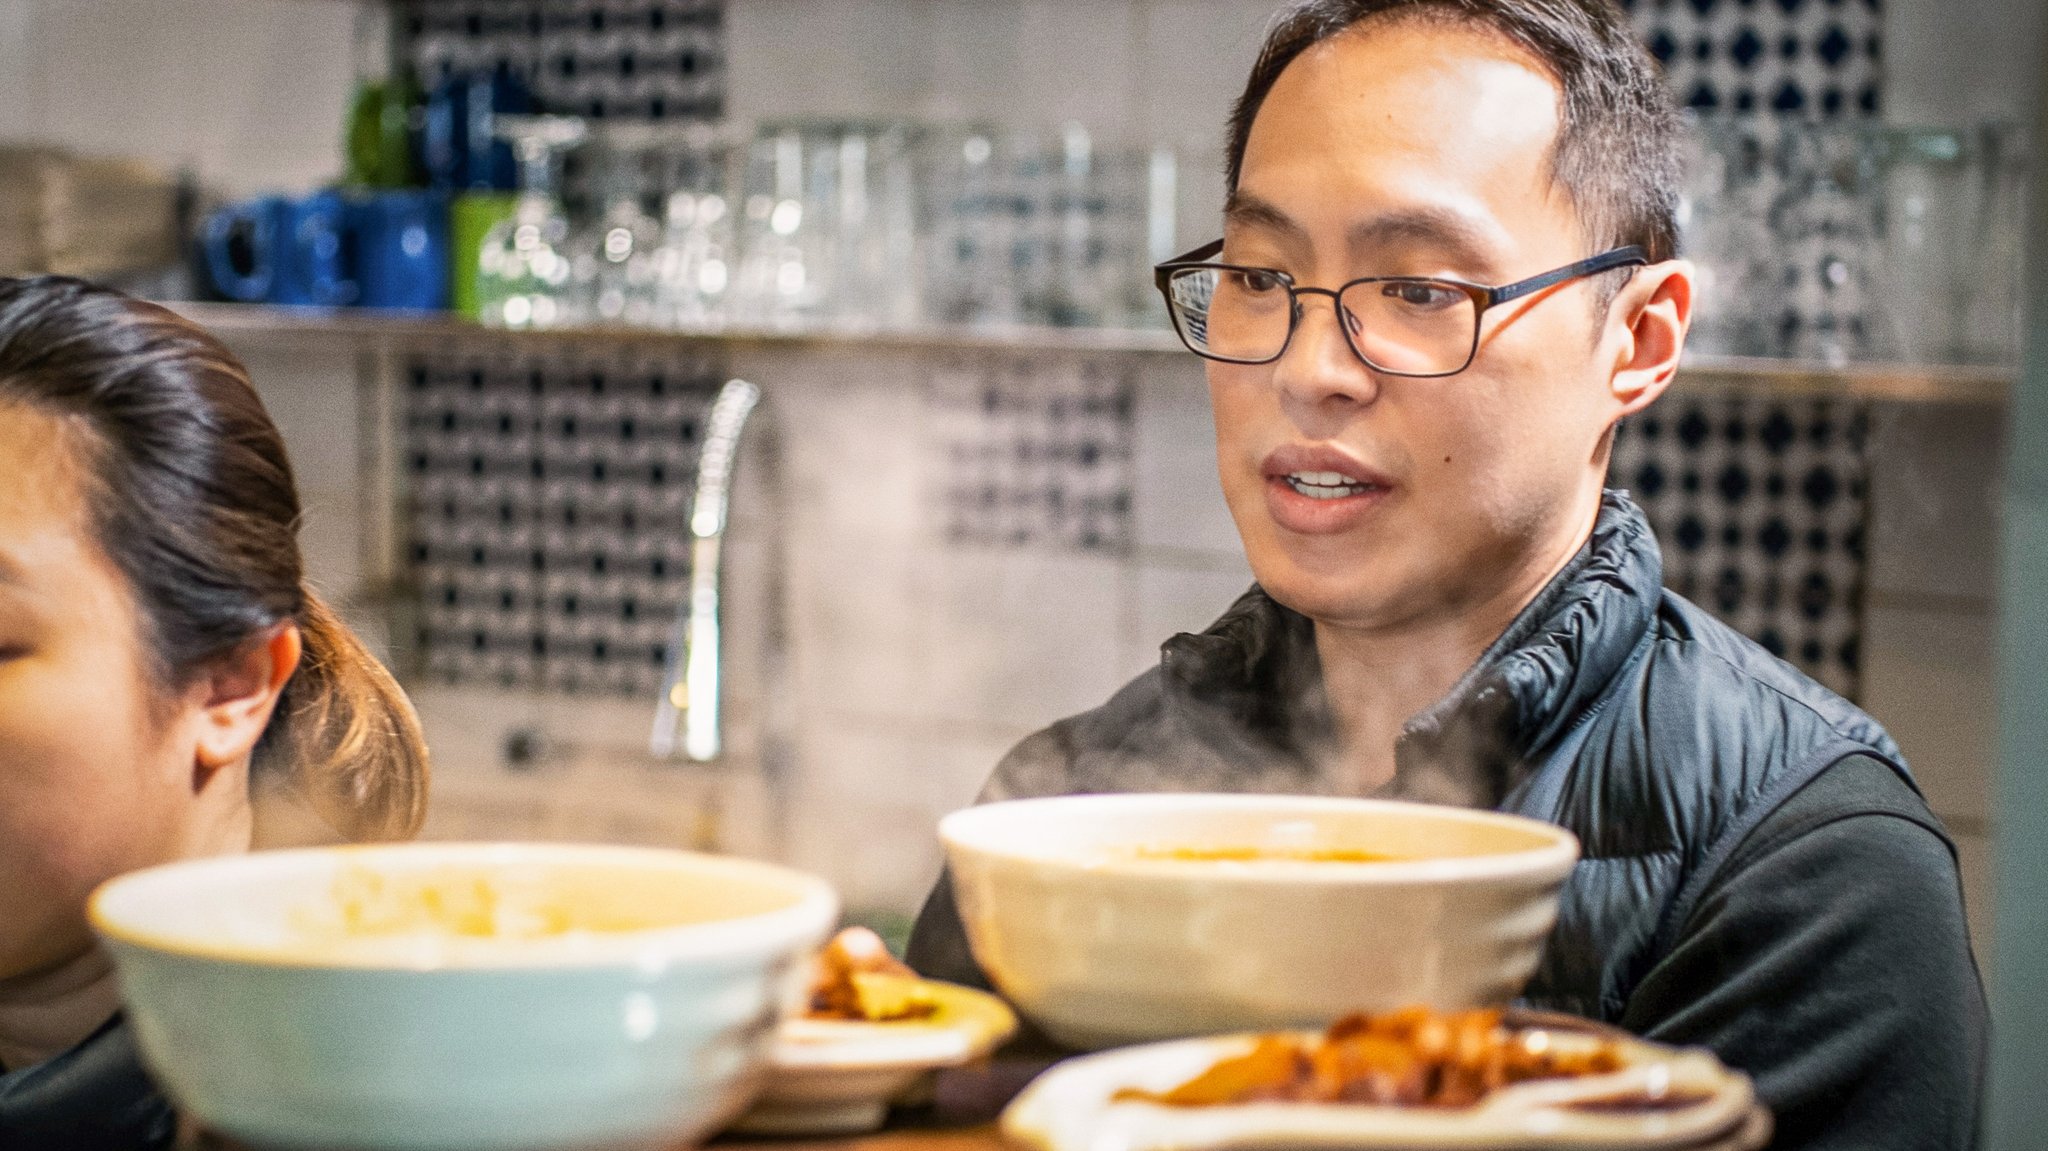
[1984, 385]
[364, 325]
[1978, 385]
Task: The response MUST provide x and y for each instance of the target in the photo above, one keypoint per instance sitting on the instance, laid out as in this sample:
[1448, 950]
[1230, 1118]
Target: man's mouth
[1326, 485]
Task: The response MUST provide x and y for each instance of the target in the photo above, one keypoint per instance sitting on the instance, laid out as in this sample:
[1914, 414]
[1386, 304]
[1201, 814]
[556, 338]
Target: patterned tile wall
[549, 509]
[607, 59]
[1796, 57]
[1034, 452]
[1761, 507]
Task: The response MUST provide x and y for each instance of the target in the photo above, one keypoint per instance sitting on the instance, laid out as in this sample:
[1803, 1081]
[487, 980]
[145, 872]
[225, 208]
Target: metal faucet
[690, 688]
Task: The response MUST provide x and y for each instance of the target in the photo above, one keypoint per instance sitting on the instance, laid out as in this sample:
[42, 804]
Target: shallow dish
[1073, 1107]
[487, 997]
[835, 1076]
[1083, 917]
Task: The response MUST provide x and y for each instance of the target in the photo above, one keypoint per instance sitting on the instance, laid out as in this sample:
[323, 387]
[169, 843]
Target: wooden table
[961, 1117]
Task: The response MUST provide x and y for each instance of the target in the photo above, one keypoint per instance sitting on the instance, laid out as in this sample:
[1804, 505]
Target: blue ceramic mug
[459, 145]
[280, 250]
[399, 244]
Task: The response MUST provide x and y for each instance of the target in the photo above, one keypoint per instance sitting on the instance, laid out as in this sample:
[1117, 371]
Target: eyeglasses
[1401, 325]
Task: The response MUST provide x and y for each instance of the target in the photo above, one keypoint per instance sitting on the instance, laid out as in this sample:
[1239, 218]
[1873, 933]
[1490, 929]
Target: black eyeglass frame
[1481, 295]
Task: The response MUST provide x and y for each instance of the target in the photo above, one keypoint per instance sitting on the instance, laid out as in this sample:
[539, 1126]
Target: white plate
[1072, 1107]
[832, 1076]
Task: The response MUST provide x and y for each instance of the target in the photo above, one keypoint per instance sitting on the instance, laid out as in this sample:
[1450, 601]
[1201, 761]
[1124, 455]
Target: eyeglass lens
[1411, 327]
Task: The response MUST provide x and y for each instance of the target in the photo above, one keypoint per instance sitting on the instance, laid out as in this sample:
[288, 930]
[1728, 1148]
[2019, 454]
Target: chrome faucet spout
[690, 692]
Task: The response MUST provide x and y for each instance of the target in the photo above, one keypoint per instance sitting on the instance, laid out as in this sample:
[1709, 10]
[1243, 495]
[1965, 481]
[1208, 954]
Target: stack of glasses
[826, 223]
[1841, 242]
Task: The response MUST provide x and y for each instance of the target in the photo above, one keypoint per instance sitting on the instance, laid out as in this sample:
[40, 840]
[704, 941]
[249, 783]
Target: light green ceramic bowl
[462, 996]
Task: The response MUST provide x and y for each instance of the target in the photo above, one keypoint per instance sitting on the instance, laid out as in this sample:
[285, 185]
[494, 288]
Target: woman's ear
[1656, 309]
[238, 694]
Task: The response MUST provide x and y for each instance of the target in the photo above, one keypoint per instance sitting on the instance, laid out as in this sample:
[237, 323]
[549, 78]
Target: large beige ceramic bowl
[462, 997]
[1100, 917]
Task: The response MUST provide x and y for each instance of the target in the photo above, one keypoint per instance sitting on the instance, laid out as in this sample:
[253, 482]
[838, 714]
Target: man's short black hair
[1617, 147]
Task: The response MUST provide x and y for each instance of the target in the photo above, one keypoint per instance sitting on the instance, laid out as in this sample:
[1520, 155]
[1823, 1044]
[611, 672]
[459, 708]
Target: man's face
[1411, 149]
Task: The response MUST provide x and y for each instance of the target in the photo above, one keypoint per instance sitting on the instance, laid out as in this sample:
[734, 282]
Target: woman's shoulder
[95, 1096]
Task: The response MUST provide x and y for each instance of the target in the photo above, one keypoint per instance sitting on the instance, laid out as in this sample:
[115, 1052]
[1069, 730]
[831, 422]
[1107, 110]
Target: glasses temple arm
[1590, 266]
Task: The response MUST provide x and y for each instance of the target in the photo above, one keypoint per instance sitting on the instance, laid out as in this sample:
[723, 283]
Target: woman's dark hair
[1617, 152]
[191, 495]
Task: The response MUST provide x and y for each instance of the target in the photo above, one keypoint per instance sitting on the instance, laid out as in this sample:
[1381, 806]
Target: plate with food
[1411, 1078]
[872, 1031]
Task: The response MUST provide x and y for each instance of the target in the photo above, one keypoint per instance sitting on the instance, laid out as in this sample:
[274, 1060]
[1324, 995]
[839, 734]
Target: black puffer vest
[1612, 707]
[1656, 734]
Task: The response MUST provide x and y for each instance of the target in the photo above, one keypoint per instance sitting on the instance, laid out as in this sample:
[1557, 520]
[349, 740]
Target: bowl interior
[456, 905]
[1296, 836]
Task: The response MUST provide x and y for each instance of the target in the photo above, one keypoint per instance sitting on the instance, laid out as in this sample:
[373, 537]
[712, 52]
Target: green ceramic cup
[471, 217]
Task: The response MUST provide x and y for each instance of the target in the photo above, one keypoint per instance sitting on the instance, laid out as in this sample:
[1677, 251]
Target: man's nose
[1319, 369]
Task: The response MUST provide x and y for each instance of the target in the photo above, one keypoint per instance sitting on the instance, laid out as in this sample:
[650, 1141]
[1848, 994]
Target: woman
[169, 686]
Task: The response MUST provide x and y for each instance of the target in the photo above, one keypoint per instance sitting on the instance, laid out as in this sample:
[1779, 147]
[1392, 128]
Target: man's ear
[238, 693]
[1655, 308]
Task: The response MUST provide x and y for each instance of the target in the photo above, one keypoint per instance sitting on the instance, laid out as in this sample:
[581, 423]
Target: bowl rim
[812, 912]
[1550, 860]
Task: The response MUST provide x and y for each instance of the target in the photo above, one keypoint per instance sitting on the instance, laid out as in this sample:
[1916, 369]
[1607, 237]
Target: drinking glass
[1997, 246]
[1132, 224]
[1827, 241]
[523, 274]
[873, 236]
[976, 249]
[694, 263]
[615, 271]
[1724, 223]
[780, 278]
[1950, 213]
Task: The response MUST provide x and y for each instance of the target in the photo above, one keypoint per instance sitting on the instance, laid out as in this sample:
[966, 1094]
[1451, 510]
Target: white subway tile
[1022, 637]
[249, 93]
[849, 427]
[1177, 500]
[1172, 600]
[1977, 856]
[862, 626]
[1936, 486]
[330, 541]
[1929, 675]
[311, 396]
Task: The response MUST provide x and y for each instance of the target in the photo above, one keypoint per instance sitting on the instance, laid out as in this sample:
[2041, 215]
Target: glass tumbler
[523, 273]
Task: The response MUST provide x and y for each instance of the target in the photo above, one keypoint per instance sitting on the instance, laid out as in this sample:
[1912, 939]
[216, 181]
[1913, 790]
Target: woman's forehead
[45, 525]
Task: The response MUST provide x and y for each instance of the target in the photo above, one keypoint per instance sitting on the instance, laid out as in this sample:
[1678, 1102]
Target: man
[1449, 607]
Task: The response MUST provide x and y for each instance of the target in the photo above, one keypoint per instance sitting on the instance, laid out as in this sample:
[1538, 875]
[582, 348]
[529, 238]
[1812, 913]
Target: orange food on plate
[854, 977]
[1414, 1057]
